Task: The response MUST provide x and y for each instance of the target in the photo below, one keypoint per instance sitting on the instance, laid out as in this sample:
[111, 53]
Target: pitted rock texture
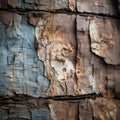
[62, 63]
[32, 109]
[104, 39]
[106, 7]
[84, 69]
[57, 49]
[46, 5]
[59, 60]
[91, 70]
[96, 6]
[20, 70]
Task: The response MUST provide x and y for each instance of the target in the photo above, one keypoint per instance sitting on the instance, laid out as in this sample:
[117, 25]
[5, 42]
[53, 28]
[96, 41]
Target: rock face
[96, 6]
[32, 109]
[57, 49]
[104, 40]
[47, 5]
[20, 70]
[59, 60]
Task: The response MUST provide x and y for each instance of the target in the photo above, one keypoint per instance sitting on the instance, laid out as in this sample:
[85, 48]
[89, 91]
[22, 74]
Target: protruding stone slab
[105, 39]
[47, 5]
[105, 109]
[84, 66]
[66, 110]
[38, 109]
[96, 6]
[57, 49]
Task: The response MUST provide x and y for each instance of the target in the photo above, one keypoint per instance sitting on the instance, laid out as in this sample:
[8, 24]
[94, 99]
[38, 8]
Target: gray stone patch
[21, 71]
[41, 114]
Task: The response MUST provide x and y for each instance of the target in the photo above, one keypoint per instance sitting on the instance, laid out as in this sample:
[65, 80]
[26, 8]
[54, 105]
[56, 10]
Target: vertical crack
[75, 32]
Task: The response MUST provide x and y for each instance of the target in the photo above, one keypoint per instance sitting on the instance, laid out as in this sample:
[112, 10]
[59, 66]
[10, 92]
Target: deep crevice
[75, 32]
[20, 98]
[64, 11]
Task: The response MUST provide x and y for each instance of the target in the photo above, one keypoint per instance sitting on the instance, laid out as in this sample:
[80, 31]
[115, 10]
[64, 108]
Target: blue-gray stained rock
[39, 4]
[3, 114]
[21, 72]
[6, 86]
[29, 1]
[41, 114]
[3, 56]
[35, 109]
[25, 71]
[21, 114]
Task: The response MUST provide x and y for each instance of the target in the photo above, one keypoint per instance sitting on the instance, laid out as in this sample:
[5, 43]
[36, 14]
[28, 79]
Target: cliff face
[59, 60]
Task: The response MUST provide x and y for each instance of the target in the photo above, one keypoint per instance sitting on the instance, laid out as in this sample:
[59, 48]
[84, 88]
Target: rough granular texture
[59, 59]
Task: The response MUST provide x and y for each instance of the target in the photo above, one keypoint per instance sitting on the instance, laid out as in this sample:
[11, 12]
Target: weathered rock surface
[104, 39]
[65, 63]
[59, 60]
[84, 6]
[96, 6]
[91, 72]
[47, 5]
[57, 49]
[31, 109]
[20, 70]
[84, 72]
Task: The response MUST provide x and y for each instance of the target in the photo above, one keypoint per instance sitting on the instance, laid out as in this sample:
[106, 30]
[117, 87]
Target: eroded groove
[62, 11]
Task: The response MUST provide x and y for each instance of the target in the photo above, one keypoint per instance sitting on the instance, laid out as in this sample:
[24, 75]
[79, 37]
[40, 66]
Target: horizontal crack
[20, 98]
[60, 98]
[60, 11]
